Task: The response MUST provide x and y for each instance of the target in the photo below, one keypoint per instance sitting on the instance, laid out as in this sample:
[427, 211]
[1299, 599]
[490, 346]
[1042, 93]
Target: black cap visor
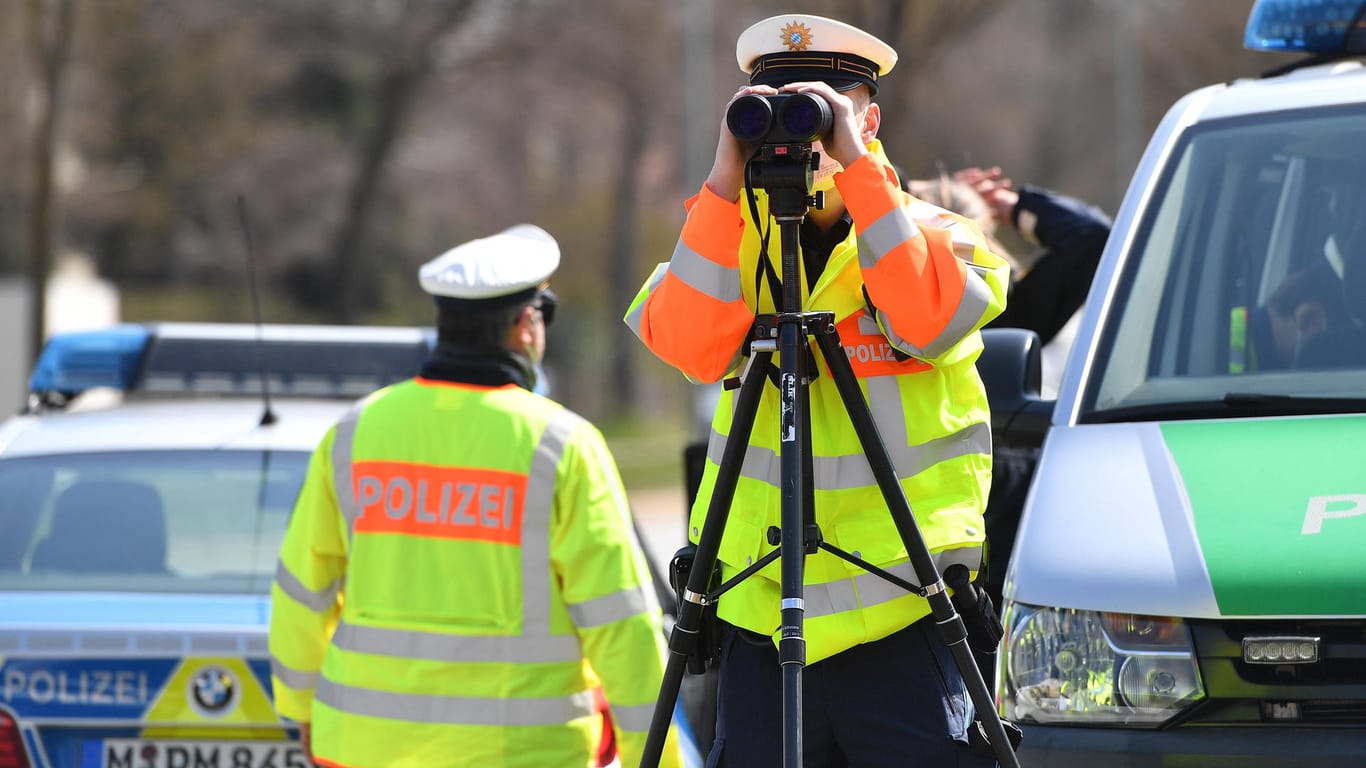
[843, 71]
[460, 306]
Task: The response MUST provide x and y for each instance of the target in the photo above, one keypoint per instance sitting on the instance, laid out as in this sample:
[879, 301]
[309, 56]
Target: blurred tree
[14, 135]
[922, 32]
[165, 134]
[369, 135]
[627, 57]
[50, 24]
[411, 39]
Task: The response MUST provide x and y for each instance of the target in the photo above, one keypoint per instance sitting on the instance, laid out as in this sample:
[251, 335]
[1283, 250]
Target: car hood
[106, 611]
[1200, 519]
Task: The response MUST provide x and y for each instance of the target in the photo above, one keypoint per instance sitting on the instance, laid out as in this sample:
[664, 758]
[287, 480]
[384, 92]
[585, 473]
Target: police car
[1188, 584]
[143, 496]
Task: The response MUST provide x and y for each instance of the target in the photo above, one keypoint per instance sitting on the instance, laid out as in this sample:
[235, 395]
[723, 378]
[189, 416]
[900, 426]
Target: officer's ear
[872, 120]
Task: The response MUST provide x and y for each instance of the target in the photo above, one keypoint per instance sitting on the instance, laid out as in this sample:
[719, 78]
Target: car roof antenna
[267, 416]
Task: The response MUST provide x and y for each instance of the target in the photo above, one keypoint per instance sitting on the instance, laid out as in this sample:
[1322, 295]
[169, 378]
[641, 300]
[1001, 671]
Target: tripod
[785, 171]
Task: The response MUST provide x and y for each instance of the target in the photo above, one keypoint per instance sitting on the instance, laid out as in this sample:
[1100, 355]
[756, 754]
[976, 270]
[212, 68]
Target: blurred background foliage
[367, 136]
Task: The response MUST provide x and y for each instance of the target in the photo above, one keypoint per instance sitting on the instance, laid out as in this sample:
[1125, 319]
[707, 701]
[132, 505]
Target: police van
[143, 495]
[1188, 582]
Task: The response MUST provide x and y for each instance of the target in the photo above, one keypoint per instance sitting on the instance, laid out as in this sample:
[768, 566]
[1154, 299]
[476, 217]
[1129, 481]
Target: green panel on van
[1279, 507]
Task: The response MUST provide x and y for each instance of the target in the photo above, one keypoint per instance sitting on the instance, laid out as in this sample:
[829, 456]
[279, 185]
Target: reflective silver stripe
[636, 718]
[901, 224]
[637, 312]
[889, 413]
[609, 608]
[869, 589]
[837, 473]
[455, 710]
[973, 304]
[890, 230]
[315, 600]
[342, 441]
[439, 646]
[704, 275]
[295, 679]
[540, 501]
[884, 325]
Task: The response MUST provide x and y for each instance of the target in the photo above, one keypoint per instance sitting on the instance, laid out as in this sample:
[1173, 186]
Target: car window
[153, 521]
[235, 367]
[1249, 273]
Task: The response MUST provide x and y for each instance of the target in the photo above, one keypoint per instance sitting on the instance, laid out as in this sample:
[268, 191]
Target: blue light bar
[1322, 27]
[72, 363]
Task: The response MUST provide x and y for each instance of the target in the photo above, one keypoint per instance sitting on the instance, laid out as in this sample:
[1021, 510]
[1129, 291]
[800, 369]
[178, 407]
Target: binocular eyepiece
[783, 118]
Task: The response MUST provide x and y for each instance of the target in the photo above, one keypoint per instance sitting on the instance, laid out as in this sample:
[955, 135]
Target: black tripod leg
[949, 623]
[794, 425]
[683, 638]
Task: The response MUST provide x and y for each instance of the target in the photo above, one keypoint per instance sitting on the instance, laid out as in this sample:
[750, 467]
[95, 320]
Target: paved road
[662, 517]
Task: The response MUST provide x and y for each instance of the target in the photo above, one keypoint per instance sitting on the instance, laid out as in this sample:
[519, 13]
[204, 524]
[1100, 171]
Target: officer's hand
[728, 169]
[846, 141]
[306, 740]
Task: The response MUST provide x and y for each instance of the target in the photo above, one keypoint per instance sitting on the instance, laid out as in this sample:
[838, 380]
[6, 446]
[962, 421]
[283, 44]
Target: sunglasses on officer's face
[546, 302]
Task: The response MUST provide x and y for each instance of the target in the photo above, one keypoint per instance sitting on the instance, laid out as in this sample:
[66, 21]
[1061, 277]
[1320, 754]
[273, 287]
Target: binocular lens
[784, 118]
[808, 118]
[749, 118]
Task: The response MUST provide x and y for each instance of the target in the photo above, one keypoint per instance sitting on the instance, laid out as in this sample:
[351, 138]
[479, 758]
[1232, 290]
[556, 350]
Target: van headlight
[1067, 667]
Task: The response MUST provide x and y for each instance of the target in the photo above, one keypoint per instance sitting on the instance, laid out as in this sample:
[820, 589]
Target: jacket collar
[482, 366]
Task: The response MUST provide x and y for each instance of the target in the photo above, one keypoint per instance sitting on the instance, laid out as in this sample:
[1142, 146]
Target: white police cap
[797, 46]
[495, 270]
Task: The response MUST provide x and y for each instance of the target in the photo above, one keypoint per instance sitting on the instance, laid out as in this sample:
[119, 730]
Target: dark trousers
[899, 702]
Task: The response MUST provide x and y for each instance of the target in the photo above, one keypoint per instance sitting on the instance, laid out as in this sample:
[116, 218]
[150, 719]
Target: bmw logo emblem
[213, 691]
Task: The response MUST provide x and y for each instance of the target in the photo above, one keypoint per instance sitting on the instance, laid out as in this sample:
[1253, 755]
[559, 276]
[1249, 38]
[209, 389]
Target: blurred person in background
[1046, 294]
[880, 684]
[460, 577]
[1045, 297]
[1071, 234]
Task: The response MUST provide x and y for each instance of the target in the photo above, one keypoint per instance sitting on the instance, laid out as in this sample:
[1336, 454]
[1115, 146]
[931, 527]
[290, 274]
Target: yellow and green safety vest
[460, 575]
[912, 341]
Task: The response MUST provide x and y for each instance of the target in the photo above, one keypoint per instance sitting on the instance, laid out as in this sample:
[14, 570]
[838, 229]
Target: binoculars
[783, 118]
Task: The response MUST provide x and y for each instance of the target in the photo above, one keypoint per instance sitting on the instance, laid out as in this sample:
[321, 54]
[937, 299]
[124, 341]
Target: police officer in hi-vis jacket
[460, 577]
[902, 276]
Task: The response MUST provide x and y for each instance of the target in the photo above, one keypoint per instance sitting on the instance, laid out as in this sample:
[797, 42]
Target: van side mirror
[1011, 369]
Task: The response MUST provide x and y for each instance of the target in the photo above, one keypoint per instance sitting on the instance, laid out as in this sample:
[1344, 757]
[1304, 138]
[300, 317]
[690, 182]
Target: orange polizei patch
[439, 502]
[869, 352]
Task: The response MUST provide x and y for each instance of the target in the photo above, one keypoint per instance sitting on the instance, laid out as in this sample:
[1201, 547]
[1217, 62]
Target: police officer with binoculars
[881, 688]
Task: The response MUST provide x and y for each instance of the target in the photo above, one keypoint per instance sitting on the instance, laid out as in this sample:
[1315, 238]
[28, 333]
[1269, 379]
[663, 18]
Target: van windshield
[1247, 282]
[146, 521]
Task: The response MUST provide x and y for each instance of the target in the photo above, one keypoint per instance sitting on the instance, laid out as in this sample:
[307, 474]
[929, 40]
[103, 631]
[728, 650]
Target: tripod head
[785, 172]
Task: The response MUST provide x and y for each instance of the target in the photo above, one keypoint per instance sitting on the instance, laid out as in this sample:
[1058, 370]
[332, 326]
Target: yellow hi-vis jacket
[931, 284]
[459, 575]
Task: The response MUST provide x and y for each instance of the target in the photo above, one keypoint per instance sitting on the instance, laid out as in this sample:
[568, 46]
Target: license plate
[144, 753]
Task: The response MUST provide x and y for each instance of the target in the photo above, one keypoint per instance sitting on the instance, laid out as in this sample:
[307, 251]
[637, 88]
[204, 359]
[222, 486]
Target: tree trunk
[624, 278]
[50, 25]
[397, 90]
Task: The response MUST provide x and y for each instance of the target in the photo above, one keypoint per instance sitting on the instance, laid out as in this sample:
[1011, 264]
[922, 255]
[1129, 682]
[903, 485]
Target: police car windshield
[1255, 248]
[147, 521]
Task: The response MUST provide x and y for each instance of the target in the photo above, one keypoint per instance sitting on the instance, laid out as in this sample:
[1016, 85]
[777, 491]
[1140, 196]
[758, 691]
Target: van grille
[1331, 691]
